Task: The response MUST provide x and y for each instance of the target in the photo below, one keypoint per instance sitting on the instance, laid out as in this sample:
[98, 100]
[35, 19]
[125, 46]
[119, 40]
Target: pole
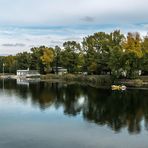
[3, 76]
[3, 69]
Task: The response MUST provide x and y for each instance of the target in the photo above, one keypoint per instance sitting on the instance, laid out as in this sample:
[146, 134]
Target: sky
[28, 23]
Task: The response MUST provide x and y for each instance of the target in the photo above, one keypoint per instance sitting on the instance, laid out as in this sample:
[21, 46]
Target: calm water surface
[46, 115]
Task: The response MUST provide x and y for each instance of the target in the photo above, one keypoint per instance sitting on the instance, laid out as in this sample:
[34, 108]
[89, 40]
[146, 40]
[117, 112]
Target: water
[52, 115]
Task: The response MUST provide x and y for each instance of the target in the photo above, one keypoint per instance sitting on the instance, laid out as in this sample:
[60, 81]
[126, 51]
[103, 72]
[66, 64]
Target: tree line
[101, 53]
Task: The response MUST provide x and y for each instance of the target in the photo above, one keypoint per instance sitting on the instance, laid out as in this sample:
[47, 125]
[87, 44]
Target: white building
[28, 73]
[60, 70]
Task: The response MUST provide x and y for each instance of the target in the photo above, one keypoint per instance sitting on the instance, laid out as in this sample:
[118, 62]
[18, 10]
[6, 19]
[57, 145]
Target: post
[3, 69]
[3, 76]
[56, 65]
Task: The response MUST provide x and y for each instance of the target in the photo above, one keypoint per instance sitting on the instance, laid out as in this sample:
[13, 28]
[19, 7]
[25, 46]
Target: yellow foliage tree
[133, 44]
[47, 57]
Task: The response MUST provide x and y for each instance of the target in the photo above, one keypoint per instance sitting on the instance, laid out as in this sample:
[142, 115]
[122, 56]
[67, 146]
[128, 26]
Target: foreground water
[46, 115]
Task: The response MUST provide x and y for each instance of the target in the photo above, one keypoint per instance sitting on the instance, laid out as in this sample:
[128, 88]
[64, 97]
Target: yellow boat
[118, 87]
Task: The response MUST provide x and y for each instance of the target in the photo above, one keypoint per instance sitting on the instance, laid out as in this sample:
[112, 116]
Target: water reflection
[117, 110]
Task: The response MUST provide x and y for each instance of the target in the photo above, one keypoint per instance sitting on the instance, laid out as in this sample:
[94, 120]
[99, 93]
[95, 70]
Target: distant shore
[92, 80]
[95, 80]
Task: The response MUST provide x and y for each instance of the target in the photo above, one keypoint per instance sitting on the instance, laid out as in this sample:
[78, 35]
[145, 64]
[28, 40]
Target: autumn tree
[145, 55]
[41, 58]
[47, 58]
[133, 50]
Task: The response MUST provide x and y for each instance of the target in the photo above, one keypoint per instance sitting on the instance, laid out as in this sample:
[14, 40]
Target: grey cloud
[72, 39]
[4, 55]
[88, 19]
[14, 45]
[56, 42]
[145, 26]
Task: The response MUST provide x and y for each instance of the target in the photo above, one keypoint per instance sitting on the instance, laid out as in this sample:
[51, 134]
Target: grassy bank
[144, 79]
[95, 80]
[141, 81]
[131, 82]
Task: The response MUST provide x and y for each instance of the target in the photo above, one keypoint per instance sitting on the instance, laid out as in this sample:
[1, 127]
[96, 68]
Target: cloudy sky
[28, 23]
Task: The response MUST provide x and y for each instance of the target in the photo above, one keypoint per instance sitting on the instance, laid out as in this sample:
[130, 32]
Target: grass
[132, 82]
[144, 78]
[97, 80]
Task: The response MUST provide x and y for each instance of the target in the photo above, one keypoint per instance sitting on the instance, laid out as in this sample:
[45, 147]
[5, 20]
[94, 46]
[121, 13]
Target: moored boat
[118, 87]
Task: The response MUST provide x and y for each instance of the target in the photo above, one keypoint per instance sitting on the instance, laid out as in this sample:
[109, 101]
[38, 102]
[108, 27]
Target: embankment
[94, 80]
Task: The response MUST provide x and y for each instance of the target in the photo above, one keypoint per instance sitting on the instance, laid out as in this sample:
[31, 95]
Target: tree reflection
[117, 110]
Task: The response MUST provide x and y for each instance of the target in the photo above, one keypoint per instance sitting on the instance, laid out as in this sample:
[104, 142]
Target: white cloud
[71, 11]
[22, 39]
[52, 22]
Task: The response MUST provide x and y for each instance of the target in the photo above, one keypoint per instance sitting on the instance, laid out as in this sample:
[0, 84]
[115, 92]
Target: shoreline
[95, 80]
[91, 80]
[103, 81]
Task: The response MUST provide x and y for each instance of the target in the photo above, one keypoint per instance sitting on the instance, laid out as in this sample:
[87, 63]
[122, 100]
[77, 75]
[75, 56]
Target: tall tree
[1, 63]
[97, 52]
[57, 59]
[133, 44]
[116, 63]
[36, 62]
[47, 58]
[145, 55]
[23, 60]
[10, 64]
[70, 56]
[133, 50]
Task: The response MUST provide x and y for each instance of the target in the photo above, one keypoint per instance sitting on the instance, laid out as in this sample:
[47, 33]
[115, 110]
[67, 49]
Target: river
[55, 115]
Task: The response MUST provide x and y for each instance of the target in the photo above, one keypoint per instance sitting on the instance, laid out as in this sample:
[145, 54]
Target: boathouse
[28, 73]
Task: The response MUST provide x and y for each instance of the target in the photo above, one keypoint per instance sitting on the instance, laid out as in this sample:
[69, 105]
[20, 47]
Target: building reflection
[117, 110]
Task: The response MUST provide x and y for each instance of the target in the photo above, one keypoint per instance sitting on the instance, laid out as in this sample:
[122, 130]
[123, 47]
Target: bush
[87, 79]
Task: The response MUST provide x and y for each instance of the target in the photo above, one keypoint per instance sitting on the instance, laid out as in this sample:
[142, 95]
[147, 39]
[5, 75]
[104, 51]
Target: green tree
[36, 61]
[1, 63]
[10, 64]
[97, 48]
[70, 56]
[116, 63]
[92, 51]
[23, 60]
[57, 59]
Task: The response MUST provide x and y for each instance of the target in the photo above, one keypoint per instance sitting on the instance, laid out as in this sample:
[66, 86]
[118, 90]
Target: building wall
[26, 73]
[22, 73]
